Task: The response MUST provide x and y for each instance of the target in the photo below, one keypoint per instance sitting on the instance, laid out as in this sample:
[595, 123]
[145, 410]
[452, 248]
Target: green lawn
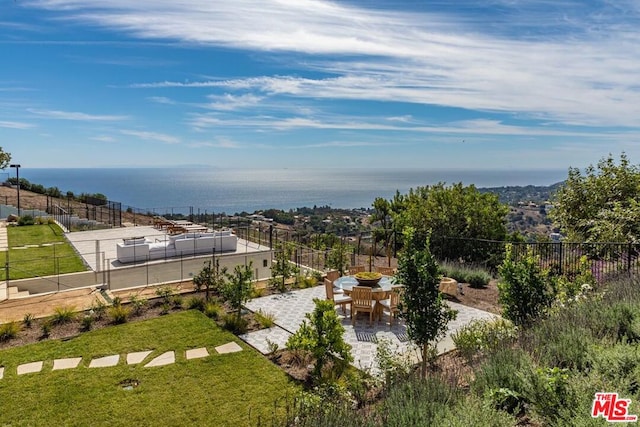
[42, 260]
[237, 389]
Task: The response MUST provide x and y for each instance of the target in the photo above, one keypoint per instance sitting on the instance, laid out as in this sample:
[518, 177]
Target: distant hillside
[512, 195]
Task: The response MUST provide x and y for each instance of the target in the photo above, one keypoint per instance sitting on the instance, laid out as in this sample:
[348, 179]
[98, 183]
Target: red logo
[612, 408]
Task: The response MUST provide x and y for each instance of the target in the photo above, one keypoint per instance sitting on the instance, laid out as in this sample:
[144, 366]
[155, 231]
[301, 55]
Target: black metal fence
[606, 260]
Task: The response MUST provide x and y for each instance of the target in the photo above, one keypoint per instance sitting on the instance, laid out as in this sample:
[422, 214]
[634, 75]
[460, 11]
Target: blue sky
[504, 84]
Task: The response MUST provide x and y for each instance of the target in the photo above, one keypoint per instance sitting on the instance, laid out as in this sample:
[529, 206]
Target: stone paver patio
[289, 311]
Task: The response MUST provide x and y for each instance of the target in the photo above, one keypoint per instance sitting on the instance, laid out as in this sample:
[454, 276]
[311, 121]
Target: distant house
[555, 237]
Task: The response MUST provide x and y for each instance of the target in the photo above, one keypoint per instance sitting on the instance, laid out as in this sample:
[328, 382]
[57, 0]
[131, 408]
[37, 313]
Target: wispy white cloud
[15, 125]
[161, 100]
[151, 136]
[344, 144]
[103, 138]
[551, 60]
[219, 142]
[74, 115]
[232, 102]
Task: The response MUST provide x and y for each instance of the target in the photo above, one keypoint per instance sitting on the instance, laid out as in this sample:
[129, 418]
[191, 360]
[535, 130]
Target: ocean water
[232, 190]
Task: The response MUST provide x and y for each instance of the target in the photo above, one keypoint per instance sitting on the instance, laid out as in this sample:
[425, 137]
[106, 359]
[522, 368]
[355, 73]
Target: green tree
[426, 313]
[238, 287]
[283, 269]
[524, 290]
[452, 211]
[601, 205]
[382, 216]
[211, 277]
[322, 336]
[338, 257]
[5, 159]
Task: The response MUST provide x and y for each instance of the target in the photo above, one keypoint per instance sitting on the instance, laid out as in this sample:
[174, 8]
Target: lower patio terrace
[289, 311]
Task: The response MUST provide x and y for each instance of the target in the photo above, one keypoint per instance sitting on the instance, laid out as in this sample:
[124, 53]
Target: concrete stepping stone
[231, 347]
[165, 358]
[1, 372]
[137, 357]
[29, 368]
[197, 353]
[68, 363]
[105, 362]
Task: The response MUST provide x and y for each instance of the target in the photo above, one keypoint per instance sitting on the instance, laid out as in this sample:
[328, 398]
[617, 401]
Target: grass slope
[47, 260]
[231, 389]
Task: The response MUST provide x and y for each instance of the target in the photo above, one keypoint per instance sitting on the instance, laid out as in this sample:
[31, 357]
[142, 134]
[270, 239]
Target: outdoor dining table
[380, 291]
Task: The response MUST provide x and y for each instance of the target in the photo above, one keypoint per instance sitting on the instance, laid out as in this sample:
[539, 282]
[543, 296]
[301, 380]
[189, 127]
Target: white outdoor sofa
[141, 249]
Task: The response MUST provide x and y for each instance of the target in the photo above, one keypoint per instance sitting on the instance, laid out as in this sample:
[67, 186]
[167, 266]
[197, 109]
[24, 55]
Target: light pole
[17, 166]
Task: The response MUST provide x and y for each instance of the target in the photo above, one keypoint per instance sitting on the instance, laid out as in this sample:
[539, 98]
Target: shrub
[549, 393]
[478, 279]
[28, 320]
[9, 331]
[98, 309]
[266, 320]
[524, 289]
[137, 304]
[321, 333]
[475, 276]
[483, 336]
[119, 314]
[63, 315]
[416, 402]
[258, 292]
[272, 346]
[87, 322]
[26, 220]
[46, 329]
[177, 301]
[304, 282]
[165, 307]
[235, 324]
[213, 310]
[195, 303]
[392, 364]
[165, 292]
[554, 342]
[500, 379]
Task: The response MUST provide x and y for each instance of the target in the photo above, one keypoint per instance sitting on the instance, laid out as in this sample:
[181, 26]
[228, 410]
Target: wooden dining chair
[362, 301]
[333, 275]
[392, 304]
[356, 269]
[338, 300]
[386, 271]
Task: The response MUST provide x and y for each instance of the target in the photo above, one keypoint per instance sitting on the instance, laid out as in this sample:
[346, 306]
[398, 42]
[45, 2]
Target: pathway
[134, 358]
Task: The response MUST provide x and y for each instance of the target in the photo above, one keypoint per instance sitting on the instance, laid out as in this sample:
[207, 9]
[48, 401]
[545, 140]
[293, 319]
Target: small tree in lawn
[425, 312]
[283, 269]
[322, 336]
[210, 278]
[238, 287]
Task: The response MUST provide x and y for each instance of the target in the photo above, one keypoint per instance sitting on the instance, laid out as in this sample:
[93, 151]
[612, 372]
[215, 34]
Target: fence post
[629, 258]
